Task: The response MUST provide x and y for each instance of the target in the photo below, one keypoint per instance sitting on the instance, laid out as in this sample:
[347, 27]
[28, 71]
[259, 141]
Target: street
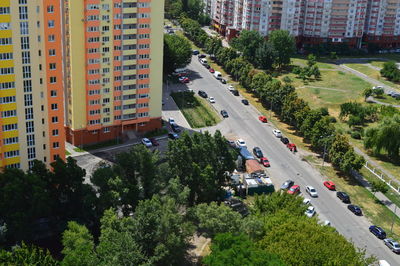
[243, 123]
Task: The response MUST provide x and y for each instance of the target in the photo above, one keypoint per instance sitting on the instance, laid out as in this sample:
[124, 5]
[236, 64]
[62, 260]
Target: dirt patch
[200, 247]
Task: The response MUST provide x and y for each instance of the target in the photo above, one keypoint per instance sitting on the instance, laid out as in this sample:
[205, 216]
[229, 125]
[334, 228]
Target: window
[53, 79]
[106, 130]
[28, 113]
[145, 114]
[106, 100]
[28, 100]
[5, 41]
[54, 119]
[52, 66]
[53, 93]
[31, 153]
[5, 26]
[56, 145]
[54, 106]
[52, 52]
[9, 113]
[26, 71]
[24, 29]
[106, 90]
[117, 107]
[10, 127]
[106, 110]
[55, 132]
[143, 5]
[7, 99]
[94, 122]
[51, 38]
[94, 92]
[27, 85]
[24, 43]
[29, 127]
[94, 102]
[92, 7]
[8, 141]
[26, 57]
[30, 139]
[4, 10]
[94, 112]
[92, 29]
[117, 117]
[105, 39]
[56, 156]
[7, 85]
[23, 12]
[10, 154]
[6, 71]
[106, 120]
[14, 165]
[50, 9]
[50, 23]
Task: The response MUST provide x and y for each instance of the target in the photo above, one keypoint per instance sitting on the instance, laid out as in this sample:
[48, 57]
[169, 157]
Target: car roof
[295, 186]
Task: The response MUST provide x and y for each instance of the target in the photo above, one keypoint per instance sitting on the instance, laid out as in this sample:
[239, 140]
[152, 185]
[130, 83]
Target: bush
[332, 119]
[356, 135]
[296, 70]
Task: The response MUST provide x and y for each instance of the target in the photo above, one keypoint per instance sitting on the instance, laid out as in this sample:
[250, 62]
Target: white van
[203, 61]
[180, 71]
[217, 75]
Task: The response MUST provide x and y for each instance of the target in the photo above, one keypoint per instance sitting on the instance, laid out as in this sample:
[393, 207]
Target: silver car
[392, 244]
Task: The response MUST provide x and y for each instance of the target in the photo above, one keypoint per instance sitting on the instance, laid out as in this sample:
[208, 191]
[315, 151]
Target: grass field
[303, 62]
[196, 110]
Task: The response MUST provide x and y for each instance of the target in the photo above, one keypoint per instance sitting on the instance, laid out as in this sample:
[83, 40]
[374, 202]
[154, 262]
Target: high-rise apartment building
[312, 21]
[113, 68]
[31, 83]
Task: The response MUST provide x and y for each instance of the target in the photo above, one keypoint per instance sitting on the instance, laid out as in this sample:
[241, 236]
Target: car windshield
[312, 190]
[292, 189]
[396, 245]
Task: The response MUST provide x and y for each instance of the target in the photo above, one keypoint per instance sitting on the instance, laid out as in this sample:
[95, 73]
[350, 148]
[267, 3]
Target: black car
[287, 184]
[224, 114]
[175, 127]
[354, 209]
[173, 135]
[377, 231]
[195, 52]
[245, 102]
[285, 140]
[257, 152]
[223, 81]
[207, 66]
[238, 206]
[203, 94]
[235, 92]
[171, 31]
[343, 196]
[201, 56]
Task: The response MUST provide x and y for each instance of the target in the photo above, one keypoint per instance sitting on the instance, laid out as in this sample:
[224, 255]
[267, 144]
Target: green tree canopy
[177, 52]
[265, 55]
[238, 250]
[247, 42]
[27, 255]
[284, 44]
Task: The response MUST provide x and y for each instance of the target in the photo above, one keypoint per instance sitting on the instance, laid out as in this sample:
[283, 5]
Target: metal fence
[393, 184]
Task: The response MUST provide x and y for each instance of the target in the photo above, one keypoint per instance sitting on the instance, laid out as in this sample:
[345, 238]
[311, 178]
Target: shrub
[296, 70]
[356, 135]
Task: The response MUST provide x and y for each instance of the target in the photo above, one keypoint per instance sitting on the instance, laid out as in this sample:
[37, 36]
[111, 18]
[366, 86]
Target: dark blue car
[377, 231]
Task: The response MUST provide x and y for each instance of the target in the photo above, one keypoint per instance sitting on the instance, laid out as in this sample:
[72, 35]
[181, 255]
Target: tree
[312, 245]
[265, 55]
[269, 205]
[311, 60]
[320, 133]
[177, 52]
[378, 92]
[385, 137]
[214, 219]
[258, 80]
[342, 155]
[367, 93]
[194, 8]
[237, 250]
[284, 44]
[379, 186]
[173, 8]
[27, 255]
[391, 71]
[247, 42]
[213, 45]
[291, 106]
[79, 248]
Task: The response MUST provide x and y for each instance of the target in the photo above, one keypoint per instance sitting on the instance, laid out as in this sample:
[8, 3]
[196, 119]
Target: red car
[264, 161]
[263, 119]
[330, 185]
[154, 142]
[294, 190]
[292, 147]
[211, 70]
[184, 80]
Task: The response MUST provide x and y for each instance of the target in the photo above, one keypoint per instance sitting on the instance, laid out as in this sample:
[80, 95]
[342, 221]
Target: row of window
[7, 99]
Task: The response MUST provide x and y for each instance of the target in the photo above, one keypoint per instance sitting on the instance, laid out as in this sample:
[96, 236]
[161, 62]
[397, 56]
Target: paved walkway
[374, 100]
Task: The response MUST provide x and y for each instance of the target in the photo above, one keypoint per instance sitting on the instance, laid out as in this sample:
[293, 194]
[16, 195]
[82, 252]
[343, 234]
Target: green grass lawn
[388, 99]
[196, 110]
[303, 62]
[373, 73]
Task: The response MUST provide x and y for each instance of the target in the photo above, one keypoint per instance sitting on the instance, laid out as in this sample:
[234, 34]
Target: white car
[240, 143]
[377, 87]
[231, 88]
[310, 211]
[277, 133]
[211, 99]
[171, 121]
[306, 201]
[146, 142]
[311, 191]
[327, 223]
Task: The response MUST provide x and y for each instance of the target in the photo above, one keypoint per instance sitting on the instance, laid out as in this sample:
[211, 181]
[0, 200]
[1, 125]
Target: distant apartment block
[313, 21]
[113, 68]
[31, 83]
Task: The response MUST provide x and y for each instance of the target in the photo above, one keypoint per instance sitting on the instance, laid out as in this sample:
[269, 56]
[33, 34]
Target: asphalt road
[243, 123]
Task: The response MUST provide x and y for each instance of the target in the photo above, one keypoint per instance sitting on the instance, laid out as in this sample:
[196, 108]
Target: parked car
[306, 201]
[207, 66]
[211, 70]
[235, 92]
[264, 161]
[195, 52]
[171, 31]
[211, 99]
[240, 143]
[245, 102]
[203, 61]
[393, 245]
[231, 88]
[201, 56]
[257, 152]
[263, 119]
[354, 209]
[288, 184]
[202, 94]
[311, 191]
[223, 81]
[294, 190]
[184, 79]
[231, 143]
[224, 113]
[146, 142]
[343, 196]
[377, 231]
[173, 135]
[310, 212]
[175, 128]
[285, 140]
[171, 121]
[277, 133]
[292, 147]
[330, 185]
[154, 142]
